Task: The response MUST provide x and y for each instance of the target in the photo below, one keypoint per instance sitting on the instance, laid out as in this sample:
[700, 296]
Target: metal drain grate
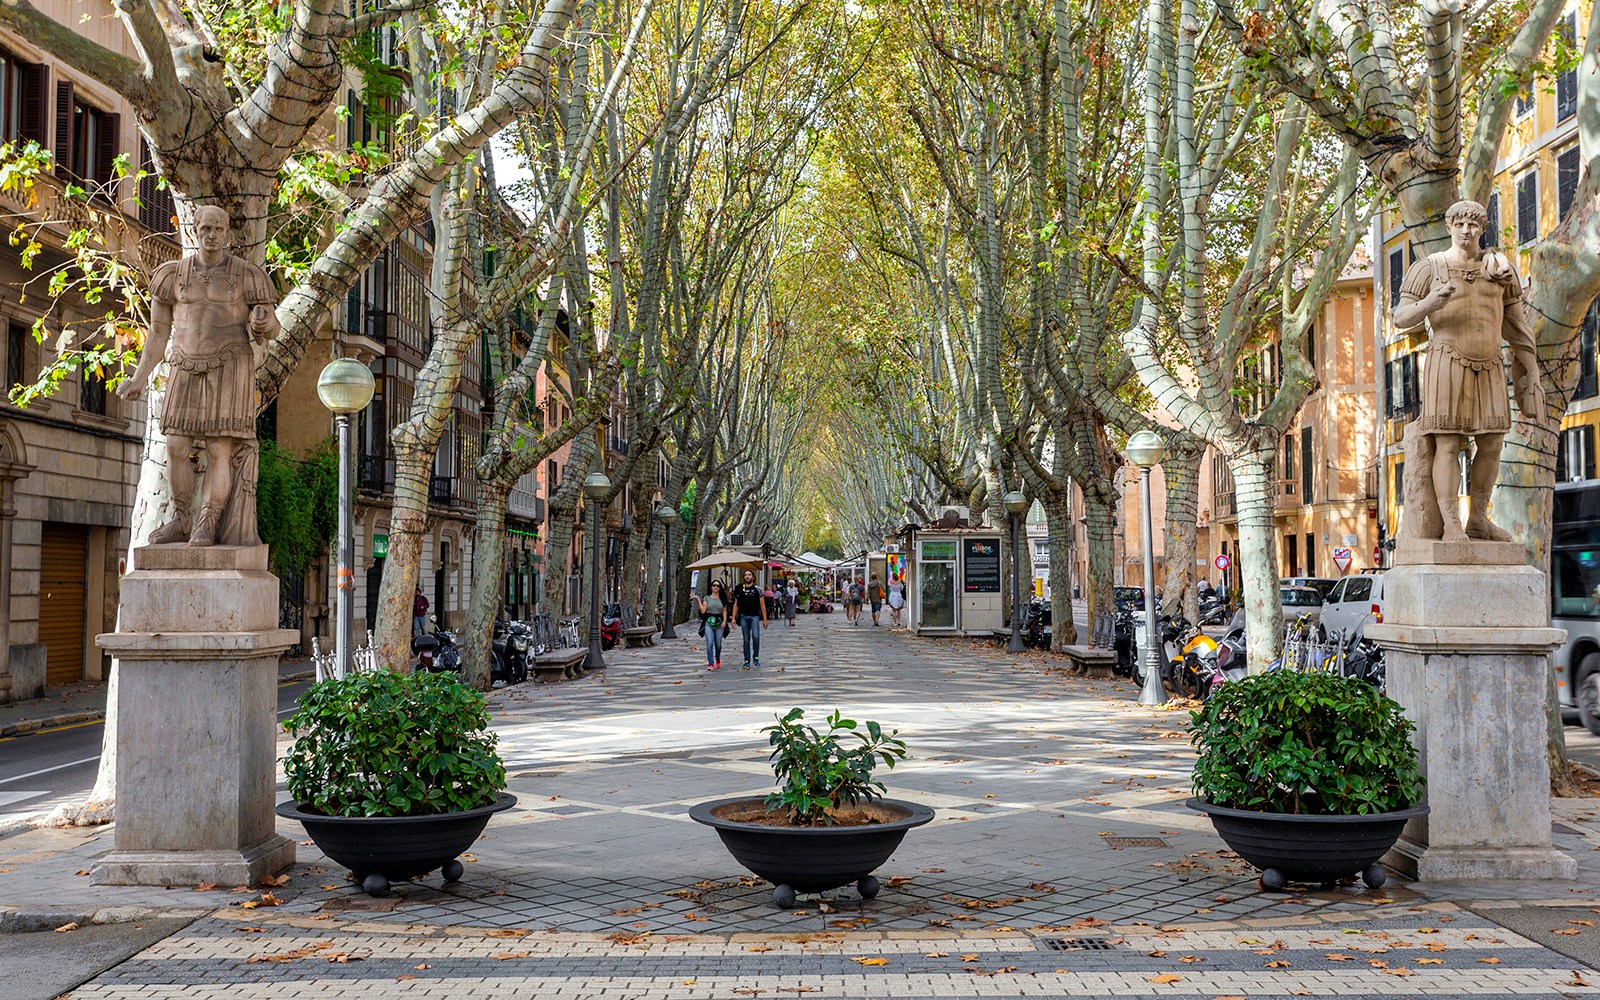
[1078, 944]
[362, 904]
[1118, 843]
[656, 755]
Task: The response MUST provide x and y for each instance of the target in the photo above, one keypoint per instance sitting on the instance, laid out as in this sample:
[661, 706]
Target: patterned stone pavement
[1062, 862]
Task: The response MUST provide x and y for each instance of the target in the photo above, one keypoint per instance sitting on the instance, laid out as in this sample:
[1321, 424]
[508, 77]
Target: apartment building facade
[69, 464]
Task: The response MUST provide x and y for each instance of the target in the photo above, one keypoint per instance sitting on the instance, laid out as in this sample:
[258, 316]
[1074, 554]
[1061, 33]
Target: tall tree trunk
[402, 568]
[1058, 525]
[563, 520]
[488, 561]
[1098, 588]
[1181, 471]
[1254, 496]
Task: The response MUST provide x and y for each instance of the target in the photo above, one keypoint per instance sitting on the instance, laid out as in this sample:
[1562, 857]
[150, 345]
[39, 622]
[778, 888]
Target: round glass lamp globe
[597, 485]
[1145, 449]
[666, 514]
[1015, 502]
[345, 385]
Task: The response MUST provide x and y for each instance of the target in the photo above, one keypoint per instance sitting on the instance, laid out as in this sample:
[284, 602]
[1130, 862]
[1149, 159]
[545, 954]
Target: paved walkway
[1062, 862]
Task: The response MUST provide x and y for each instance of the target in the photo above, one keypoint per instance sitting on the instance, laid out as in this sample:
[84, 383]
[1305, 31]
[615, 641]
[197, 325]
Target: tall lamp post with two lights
[597, 487]
[345, 387]
[1016, 506]
[1145, 449]
[668, 516]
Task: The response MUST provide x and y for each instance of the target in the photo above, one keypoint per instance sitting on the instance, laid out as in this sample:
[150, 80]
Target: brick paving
[1062, 862]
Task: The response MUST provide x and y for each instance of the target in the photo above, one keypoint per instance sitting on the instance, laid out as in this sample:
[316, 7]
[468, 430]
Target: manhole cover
[1118, 843]
[365, 904]
[1078, 944]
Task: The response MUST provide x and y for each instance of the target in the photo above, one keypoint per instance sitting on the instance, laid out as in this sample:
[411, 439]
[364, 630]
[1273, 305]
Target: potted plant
[393, 775]
[827, 825]
[1308, 776]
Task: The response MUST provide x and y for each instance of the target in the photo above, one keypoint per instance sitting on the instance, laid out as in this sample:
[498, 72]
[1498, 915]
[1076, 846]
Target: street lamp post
[1016, 506]
[596, 488]
[668, 516]
[1145, 449]
[345, 387]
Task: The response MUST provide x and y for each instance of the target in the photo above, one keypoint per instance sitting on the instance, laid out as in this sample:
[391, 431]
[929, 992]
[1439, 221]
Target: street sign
[1222, 563]
[1342, 559]
[380, 546]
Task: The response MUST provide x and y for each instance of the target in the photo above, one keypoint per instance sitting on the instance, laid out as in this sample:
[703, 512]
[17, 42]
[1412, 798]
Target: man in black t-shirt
[751, 608]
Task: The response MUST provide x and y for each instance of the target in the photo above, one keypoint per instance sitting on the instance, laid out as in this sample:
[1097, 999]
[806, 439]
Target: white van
[1354, 602]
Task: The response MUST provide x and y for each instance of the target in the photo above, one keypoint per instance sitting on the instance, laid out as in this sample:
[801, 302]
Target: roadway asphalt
[45, 964]
[41, 770]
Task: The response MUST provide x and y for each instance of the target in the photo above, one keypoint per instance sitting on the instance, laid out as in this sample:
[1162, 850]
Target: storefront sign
[380, 546]
[981, 572]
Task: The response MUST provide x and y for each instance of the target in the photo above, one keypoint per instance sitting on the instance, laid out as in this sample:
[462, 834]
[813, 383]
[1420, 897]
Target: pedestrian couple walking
[873, 593]
[746, 603]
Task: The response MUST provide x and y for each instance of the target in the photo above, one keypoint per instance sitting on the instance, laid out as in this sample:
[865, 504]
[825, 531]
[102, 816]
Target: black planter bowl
[383, 849]
[1289, 847]
[799, 859]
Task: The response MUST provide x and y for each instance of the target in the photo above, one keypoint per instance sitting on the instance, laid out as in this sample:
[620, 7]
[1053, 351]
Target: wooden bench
[1091, 661]
[639, 636]
[559, 664]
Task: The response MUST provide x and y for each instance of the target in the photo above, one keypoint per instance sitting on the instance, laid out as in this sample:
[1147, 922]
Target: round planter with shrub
[393, 775]
[827, 825]
[1310, 777]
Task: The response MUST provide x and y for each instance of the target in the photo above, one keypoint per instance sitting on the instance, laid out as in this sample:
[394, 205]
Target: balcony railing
[377, 324]
[1226, 505]
[1287, 493]
[372, 474]
[442, 490]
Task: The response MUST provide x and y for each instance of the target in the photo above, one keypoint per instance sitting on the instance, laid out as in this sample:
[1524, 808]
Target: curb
[296, 677]
[25, 920]
[29, 726]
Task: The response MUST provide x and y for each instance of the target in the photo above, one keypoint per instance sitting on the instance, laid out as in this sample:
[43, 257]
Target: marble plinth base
[196, 720]
[1469, 670]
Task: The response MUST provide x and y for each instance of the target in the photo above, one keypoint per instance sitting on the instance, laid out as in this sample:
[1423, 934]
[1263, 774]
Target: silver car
[1354, 602]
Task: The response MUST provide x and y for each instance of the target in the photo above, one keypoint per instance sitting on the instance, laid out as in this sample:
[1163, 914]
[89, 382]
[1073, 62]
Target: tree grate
[1078, 944]
[1118, 843]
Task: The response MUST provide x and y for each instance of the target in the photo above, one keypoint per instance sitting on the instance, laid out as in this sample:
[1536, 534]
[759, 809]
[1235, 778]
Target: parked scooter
[611, 626]
[510, 651]
[1037, 625]
[437, 651]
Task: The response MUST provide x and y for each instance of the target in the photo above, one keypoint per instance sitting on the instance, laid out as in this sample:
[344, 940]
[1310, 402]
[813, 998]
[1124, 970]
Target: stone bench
[560, 664]
[639, 636]
[1091, 661]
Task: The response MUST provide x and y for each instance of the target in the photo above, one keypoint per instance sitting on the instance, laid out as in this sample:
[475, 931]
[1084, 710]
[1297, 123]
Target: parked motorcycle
[437, 651]
[510, 651]
[1037, 624]
[611, 626]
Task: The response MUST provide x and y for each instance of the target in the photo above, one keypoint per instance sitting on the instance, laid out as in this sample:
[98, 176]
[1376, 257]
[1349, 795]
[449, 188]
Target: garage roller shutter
[63, 567]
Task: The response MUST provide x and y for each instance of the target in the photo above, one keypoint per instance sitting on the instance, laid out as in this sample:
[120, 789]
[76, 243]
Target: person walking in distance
[751, 607]
[713, 623]
[852, 605]
[875, 596]
[791, 601]
[419, 615]
[897, 600]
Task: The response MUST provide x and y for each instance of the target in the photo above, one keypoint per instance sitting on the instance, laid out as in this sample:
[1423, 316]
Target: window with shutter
[156, 209]
[1308, 467]
[108, 140]
[65, 133]
[1400, 484]
[1567, 79]
[1311, 346]
[33, 98]
[1528, 207]
[1491, 227]
[1588, 347]
[1524, 102]
[1397, 275]
[17, 337]
[1567, 167]
[1388, 389]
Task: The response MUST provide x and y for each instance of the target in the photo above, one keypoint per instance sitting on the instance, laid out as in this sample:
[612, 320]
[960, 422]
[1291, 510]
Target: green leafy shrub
[1310, 743]
[378, 743]
[818, 774]
[297, 504]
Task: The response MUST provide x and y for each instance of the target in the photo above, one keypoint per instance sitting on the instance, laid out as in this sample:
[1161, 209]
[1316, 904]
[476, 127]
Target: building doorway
[63, 600]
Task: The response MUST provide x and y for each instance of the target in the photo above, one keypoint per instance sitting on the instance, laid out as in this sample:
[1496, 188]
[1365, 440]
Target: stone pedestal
[1467, 656]
[198, 647]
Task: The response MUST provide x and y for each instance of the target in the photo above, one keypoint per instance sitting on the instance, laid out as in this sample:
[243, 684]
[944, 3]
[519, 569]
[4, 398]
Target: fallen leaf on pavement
[936, 954]
[424, 965]
[64, 928]
[505, 956]
[1489, 961]
[871, 961]
[506, 932]
[1430, 961]
[274, 880]
[1165, 977]
[205, 887]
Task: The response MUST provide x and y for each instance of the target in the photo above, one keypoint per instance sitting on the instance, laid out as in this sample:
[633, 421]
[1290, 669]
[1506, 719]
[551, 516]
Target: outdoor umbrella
[716, 559]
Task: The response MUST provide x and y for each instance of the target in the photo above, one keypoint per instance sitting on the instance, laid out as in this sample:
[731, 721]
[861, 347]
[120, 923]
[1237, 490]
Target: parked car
[1298, 601]
[1353, 602]
[1323, 584]
[1130, 598]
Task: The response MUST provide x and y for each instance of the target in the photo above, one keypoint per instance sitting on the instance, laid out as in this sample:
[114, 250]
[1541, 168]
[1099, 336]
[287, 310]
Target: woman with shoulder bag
[713, 623]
